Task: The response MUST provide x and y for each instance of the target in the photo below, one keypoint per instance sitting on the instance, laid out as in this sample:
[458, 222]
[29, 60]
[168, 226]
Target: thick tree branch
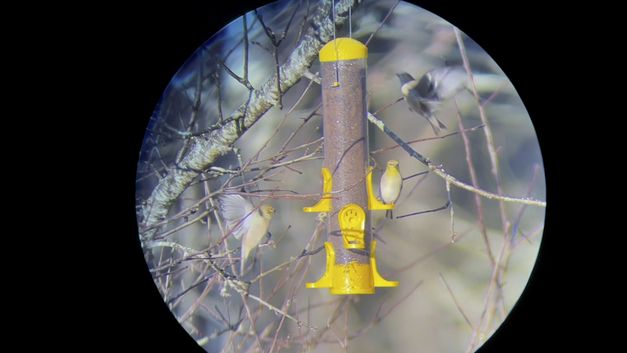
[205, 149]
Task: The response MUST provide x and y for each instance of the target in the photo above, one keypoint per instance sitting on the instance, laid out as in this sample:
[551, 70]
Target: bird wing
[387, 188]
[426, 87]
[448, 80]
[425, 105]
[234, 209]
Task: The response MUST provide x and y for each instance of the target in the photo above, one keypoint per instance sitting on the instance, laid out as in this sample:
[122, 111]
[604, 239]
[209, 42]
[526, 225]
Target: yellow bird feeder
[348, 195]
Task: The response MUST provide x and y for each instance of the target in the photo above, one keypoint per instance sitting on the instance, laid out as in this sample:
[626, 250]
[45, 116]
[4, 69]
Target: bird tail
[436, 124]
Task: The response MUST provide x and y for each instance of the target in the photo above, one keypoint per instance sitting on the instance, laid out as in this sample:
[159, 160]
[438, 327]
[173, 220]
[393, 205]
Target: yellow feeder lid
[343, 49]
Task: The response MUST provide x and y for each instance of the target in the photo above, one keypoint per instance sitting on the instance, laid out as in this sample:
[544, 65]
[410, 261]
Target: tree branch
[439, 171]
[205, 149]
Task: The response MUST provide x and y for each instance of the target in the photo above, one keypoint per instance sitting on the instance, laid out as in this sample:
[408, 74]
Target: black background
[131, 53]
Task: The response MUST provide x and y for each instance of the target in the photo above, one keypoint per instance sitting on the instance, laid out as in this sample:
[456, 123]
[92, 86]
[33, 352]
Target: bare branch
[434, 138]
[439, 171]
[276, 42]
[415, 175]
[475, 183]
[446, 205]
[204, 150]
[381, 316]
[382, 23]
[459, 308]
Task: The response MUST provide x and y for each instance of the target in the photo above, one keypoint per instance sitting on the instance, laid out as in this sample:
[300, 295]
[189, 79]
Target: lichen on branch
[203, 150]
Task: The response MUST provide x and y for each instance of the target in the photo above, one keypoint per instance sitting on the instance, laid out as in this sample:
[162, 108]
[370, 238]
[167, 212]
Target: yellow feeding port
[343, 49]
[352, 277]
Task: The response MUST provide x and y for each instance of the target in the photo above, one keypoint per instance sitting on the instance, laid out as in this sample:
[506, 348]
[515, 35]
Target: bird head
[404, 77]
[267, 211]
[392, 163]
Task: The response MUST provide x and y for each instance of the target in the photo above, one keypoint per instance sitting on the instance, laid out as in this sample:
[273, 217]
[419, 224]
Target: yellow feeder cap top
[343, 49]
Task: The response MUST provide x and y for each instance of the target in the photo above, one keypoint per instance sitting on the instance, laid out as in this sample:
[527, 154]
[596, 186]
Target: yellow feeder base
[353, 277]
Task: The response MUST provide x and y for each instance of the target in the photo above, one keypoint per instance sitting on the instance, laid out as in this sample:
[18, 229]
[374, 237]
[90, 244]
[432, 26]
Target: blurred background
[452, 296]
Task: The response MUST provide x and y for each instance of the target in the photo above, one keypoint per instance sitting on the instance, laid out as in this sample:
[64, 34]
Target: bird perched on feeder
[390, 185]
[425, 95]
[246, 222]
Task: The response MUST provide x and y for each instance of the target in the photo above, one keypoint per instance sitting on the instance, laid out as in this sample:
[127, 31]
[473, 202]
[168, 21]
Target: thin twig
[446, 205]
[184, 225]
[380, 317]
[382, 22]
[242, 289]
[451, 211]
[218, 141]
[428, 255]
[475, 183]
[518, 218]
[388, 105]
[415, 175]
[439, 171]
[434, 138]
[459, 308]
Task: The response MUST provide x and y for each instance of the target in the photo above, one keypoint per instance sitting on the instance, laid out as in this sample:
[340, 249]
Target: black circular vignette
[152, 42]
[142, 48]
[524, 39]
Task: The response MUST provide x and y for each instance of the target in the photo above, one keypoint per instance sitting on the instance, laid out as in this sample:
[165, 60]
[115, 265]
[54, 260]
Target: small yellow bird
[390, 185]
[246, 222]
